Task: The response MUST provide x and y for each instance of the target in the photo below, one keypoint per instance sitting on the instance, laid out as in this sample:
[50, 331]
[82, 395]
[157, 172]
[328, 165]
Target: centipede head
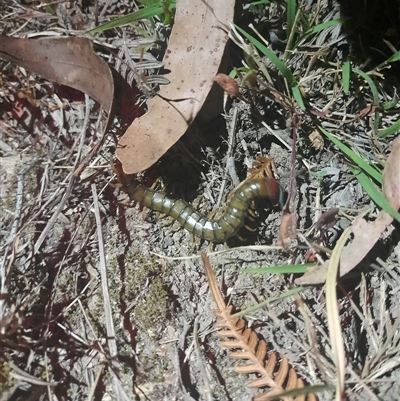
[123, 180]
[264, 167]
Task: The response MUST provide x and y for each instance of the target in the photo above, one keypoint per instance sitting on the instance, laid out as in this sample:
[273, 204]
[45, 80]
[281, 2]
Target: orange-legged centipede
[188, 217]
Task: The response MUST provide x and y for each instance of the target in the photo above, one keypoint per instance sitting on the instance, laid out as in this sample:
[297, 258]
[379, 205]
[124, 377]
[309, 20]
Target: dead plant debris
[194, 54]
[100, 299]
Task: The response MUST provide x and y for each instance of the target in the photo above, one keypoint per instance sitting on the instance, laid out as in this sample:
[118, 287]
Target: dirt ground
[81, 261]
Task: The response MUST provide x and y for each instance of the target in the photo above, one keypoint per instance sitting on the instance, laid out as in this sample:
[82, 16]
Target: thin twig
[228, 156]
[112, 344]
[104, 280]
[256, 248]
[13, 238]
[72, 179]
[275, 133]
[207, 392]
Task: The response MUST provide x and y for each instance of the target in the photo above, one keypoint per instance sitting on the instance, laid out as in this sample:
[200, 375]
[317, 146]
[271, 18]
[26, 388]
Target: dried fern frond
[262, 167]
[278, 377]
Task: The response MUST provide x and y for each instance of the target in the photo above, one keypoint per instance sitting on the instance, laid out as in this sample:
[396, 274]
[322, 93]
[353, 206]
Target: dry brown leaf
[327, 219]
[317, 141]
[365, 234]
[193, 56]
[391, 176]
[67, 61]
[228, 84]
[287, 230]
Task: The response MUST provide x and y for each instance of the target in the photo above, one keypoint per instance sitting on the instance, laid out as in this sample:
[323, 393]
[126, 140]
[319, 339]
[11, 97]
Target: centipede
[240, 204]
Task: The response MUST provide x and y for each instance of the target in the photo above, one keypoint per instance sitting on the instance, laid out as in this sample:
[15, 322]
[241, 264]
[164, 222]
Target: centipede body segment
[189, 218]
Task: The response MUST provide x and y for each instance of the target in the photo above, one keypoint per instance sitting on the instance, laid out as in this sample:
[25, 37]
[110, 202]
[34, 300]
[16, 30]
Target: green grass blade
[257, 3]
[279, 64]
[395, 57]
[287, 269]
[346, 69]
[297, 96]
[298, 392]
[291, 16]
[371, 171]
[392, 59]
[269, 301]
[318, 28]
[373, 192]
[322, 27]
[370, 83]
[390, 130]
[144, 13]
[390, 104]
[148, 3]
[271, 55]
